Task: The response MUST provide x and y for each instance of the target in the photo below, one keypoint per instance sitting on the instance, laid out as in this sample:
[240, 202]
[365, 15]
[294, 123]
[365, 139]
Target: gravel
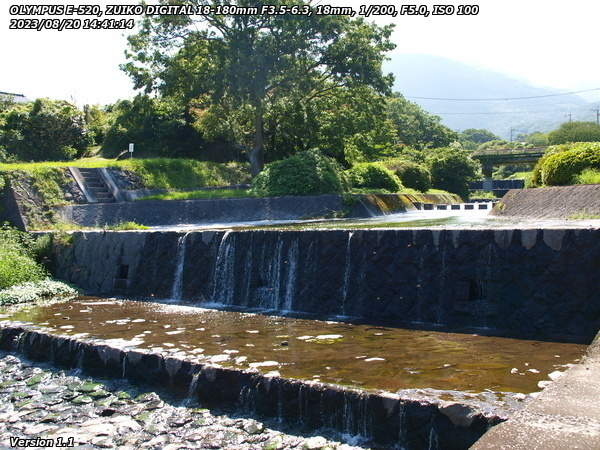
[38, 401]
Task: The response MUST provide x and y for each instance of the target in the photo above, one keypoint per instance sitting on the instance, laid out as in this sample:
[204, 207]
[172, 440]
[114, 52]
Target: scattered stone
[315, 443]
[51, 403]
[253, 427]
[82, 400]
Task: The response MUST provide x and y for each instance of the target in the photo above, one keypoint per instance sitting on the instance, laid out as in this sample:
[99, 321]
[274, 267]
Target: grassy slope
[162, 173]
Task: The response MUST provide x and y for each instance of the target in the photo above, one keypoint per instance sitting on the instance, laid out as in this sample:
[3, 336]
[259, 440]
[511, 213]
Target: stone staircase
[95, 185]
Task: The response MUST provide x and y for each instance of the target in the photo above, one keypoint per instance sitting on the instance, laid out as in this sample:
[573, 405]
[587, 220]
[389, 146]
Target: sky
[549, 43]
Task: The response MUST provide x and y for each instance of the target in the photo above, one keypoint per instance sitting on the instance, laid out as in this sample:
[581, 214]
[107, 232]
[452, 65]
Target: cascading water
[177, 290]
[292, 262]
[223, 280]
[347, 272]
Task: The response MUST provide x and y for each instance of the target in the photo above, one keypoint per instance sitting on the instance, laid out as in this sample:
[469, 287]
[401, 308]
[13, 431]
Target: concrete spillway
[533, 283]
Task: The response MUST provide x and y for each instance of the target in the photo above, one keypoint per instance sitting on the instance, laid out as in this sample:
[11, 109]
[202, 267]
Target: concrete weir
[524, 282]
[389, 420]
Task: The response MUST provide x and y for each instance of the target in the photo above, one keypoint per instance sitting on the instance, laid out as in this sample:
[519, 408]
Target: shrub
[35, 290]
[374, 176]
[452, 169]
[17, 263]
[411, 174]
[589, 176]
[561, 166]
[305, 173]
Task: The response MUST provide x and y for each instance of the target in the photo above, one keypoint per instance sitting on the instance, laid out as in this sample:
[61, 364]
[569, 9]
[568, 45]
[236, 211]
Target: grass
[355, 226]
[589, 176]
[157, 173]
[202, 194]
[123, 226]
[243, 193]
[482, 194]
[522, 176]
[582, 215]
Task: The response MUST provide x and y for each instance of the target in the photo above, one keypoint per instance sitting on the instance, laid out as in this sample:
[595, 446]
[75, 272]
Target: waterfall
[224, 276]
[292, 261]
[177, 290]
[192, 390]
[347, 272]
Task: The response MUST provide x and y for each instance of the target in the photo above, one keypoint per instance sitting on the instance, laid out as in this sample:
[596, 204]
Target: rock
[555, 375]
[274, 444]
[253, 427]
[315, 443]
[544, 384]
[89, 387]
[82, 400]
[459, 414]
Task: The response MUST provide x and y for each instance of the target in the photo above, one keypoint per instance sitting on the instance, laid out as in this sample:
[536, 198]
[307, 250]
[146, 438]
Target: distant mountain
[433, 76]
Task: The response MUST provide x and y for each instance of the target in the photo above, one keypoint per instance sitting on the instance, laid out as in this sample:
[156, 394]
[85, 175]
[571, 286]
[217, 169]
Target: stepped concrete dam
[525, 282]
[387, 338]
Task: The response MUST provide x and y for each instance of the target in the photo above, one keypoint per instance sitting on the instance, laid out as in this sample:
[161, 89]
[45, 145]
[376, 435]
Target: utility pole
[570, 116]
[597, 111]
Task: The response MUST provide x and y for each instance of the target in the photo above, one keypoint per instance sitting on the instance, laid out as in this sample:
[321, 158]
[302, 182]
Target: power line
[501, 99]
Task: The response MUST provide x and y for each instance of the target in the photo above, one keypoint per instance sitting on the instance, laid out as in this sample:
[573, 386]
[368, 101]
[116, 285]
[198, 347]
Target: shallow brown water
[335, 352]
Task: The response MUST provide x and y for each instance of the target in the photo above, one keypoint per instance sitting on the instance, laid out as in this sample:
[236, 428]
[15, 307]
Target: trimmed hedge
[374, 176]
[562, 164]
[305, 173]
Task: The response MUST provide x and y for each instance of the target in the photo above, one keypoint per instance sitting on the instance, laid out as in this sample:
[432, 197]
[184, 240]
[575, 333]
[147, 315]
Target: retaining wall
[527, 283]
[174, 212]
[560, 202]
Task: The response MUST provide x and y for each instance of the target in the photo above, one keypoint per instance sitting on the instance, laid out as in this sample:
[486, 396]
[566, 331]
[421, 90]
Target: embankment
[565, 415]
[531, 282]
[559, 202]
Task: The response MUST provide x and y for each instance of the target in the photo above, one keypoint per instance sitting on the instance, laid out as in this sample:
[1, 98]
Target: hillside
[433, 76]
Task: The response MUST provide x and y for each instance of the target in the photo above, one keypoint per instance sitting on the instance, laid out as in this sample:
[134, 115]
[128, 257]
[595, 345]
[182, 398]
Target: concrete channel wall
[560, 202]
[525, 283]
[566, 415]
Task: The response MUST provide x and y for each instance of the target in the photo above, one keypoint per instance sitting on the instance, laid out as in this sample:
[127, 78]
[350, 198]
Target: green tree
[156, 126]
[247, 63]
[537, 139]
[575, 132]
[471, 138]
[478, 136]
[452, 169]
[97, 121]
[45, 130]
[416, 127]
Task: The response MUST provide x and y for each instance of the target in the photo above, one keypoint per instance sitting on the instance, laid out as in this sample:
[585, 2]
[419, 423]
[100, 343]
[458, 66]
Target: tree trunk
[256, 154]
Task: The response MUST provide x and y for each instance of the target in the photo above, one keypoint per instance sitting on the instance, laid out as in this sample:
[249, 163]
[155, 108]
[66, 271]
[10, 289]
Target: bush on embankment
[562, 164]
[23, 278]
[305, 173]
[17, 259]
[452, 169]
[411, 174]
[373, 176]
